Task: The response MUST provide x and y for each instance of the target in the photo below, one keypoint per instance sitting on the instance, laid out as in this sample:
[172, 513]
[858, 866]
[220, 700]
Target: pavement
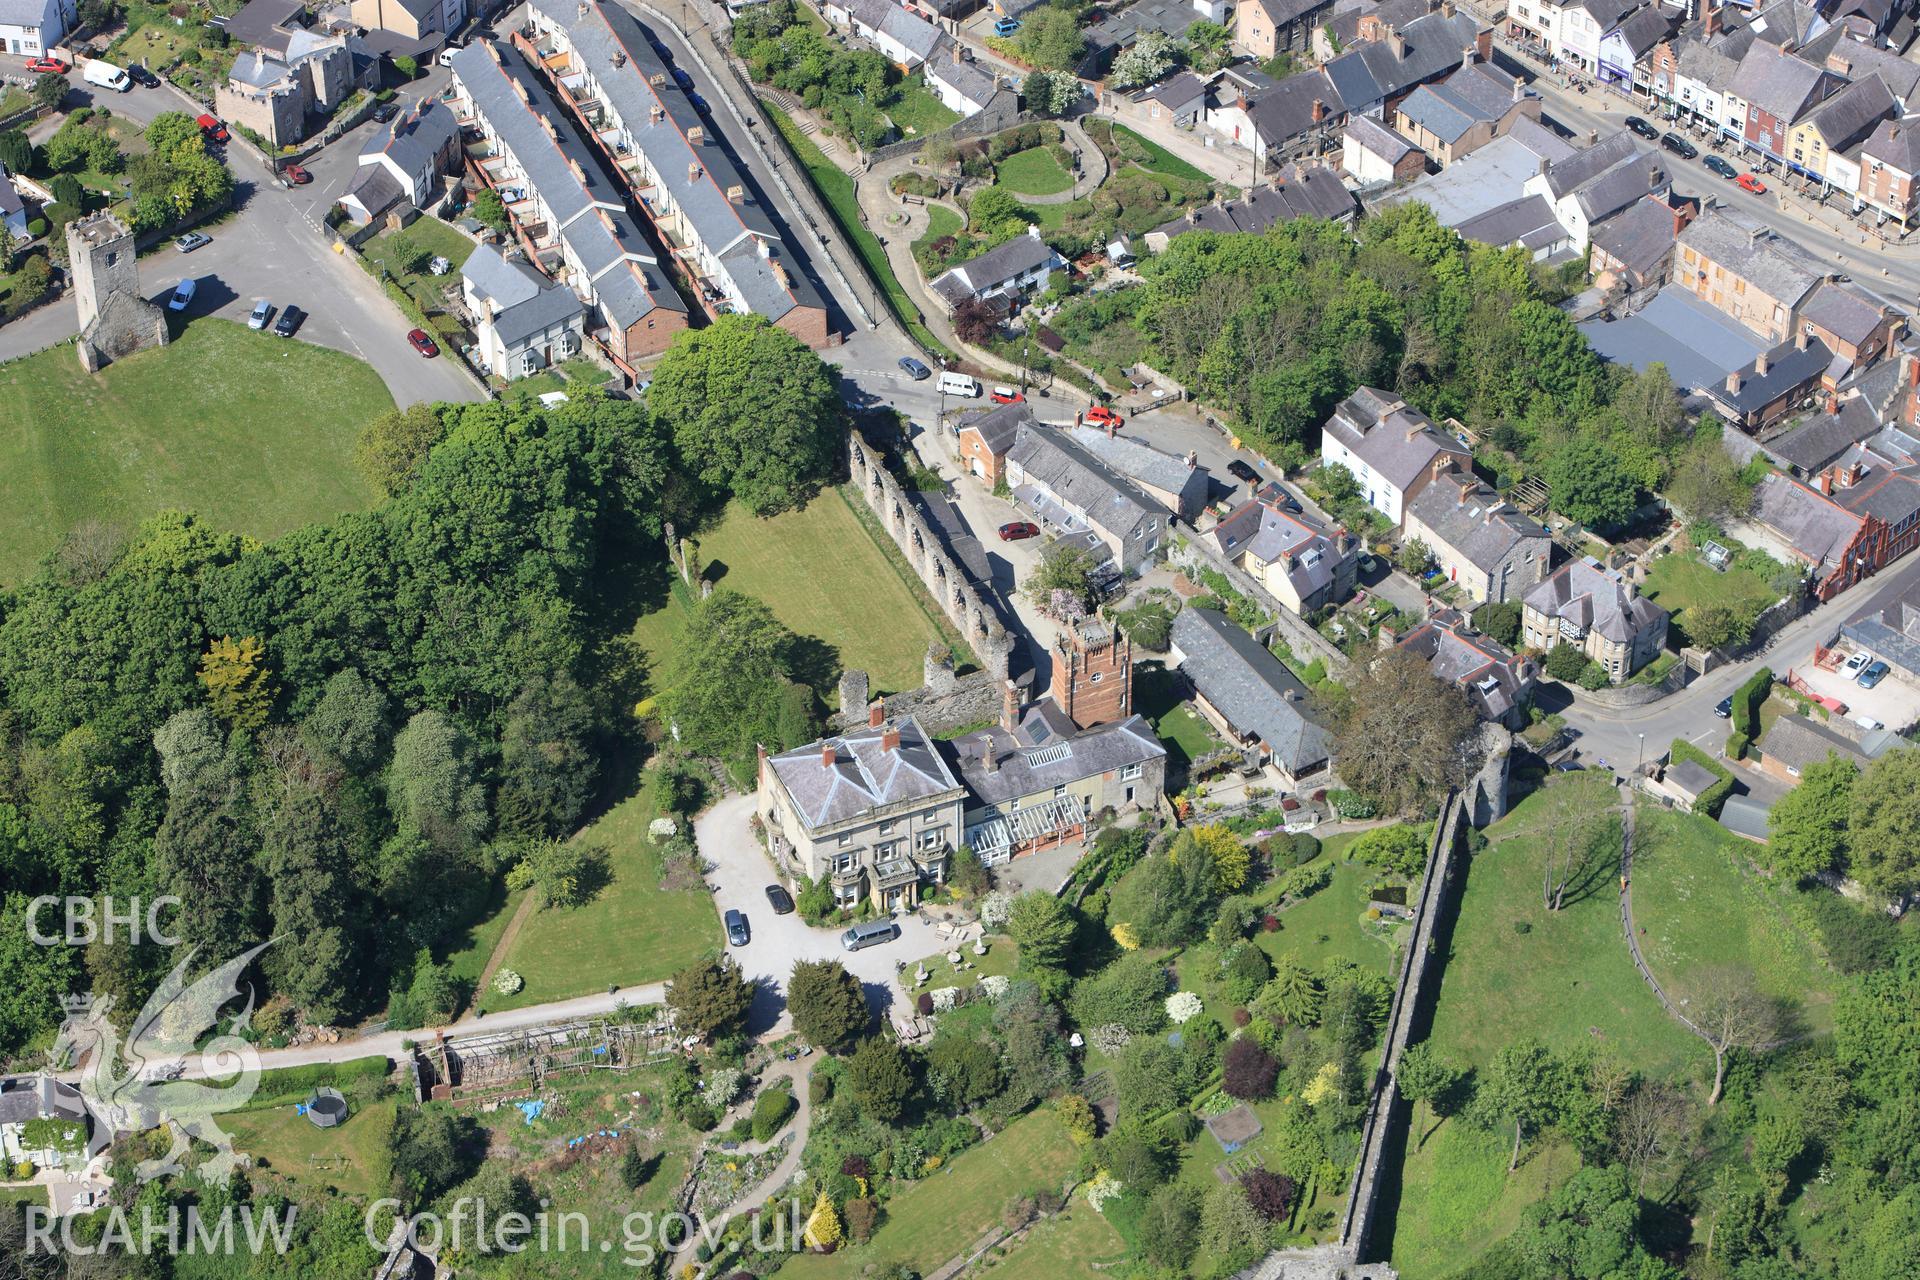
[272, 246]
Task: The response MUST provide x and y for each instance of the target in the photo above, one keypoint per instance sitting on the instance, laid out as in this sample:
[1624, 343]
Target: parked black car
[779, 899]
[290, 318]
[736, 924]
[1242, 471]
[1642, 128]
[139, 74]
[1679, 146]
[1716, 165]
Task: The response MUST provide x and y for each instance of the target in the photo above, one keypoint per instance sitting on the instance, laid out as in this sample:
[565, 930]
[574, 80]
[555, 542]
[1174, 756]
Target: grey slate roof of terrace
[1822, 438]
[1250, 687]
[413, 138]
[1817, 527]
[1777, 265]
[1482, 526]
[636, 83]
[1849, 115]
[1528, 221]
[577, 194]
[1641, 237]
[1394, 438]
[1136, 460]
[1378, 138]
[1024, 764]
[1897, 143]
[525, 302]
[864, 775]
[1067, 471]
[1777, 82]
[1843, 310]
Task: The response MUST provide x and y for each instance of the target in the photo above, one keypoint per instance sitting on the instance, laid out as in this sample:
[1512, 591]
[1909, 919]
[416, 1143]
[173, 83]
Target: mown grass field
[351, 1157]
[950, 1209]
[1332, 923]
[1072, 1243]
[224, 422]
[1033, 172]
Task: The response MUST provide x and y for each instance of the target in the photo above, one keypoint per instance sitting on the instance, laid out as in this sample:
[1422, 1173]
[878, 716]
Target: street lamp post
[1641, 760]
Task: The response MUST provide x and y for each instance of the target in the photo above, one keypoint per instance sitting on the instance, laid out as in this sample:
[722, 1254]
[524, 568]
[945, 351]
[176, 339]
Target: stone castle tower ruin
[115, 321]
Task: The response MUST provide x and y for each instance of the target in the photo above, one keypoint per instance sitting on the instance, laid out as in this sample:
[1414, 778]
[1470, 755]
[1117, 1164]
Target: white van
[959, 384]
[106, 75]
[446, 55]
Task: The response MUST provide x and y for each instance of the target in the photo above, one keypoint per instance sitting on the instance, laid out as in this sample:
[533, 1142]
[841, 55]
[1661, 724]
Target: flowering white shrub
[1183, 1006]
[944, 998]
[721, 1084]
[507, 982]
[1110, 1038]
[995, 985]
[995, 907]
[1103, 1187]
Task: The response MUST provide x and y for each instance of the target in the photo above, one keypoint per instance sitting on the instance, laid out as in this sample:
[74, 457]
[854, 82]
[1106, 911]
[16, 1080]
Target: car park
[915, 370]
[1679, 146]
[1642, 128]
[737, 932]
[1747, 182]
[289, 321]
[420, 342]
[1720, 167]
[1873, 673]
[191, 241]
[1019, 531]
[261, 313]
[48, 67]
[1242, 471]
[1101, 416]
[182, 295]
[779, 899]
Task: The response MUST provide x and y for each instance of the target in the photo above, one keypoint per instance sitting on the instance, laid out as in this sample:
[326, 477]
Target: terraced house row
[609, 72]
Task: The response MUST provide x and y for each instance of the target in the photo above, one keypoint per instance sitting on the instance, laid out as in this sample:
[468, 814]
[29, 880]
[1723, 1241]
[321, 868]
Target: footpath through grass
[836, 189]
[634, 930]
[1701, 906]
[224, 422]
[944, 1213]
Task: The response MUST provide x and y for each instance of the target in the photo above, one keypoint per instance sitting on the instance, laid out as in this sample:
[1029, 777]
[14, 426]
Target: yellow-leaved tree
[823, 1230]
[1231, 860]
[239, 686]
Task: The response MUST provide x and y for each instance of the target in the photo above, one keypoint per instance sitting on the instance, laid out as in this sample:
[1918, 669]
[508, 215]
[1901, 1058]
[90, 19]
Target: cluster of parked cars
[858, 938]
[1685, 149]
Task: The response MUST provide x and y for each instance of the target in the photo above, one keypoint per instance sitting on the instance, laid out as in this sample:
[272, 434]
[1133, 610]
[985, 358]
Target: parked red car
[1101, 416]
[1019, 530]
[212, 129]
[1747, 182]
[422, 343]
[298, 176]
[48, 66]
[1006, 395]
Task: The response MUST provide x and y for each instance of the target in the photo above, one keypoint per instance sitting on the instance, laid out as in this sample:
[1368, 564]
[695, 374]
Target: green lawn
[1179, 726]
[1333, 922]
[424, 235]
[1701, 905]
[1158, 158]
[23, 1195]
[941, 221]
[824, 576]
[946, 1212]
[634, 930]
[1076, 1242]
[1568, 981]
[224, 422]
[1002, 955]
[1681, 581]
[351, 1157]
[1033, 172]
[918, 112]
[836, 189]
[468, 951]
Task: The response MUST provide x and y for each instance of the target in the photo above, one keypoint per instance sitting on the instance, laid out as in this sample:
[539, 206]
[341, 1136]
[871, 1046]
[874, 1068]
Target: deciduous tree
[1403, 738]
[1884, 830]
[1732, 1013]
[731, 685]
[1808, 827]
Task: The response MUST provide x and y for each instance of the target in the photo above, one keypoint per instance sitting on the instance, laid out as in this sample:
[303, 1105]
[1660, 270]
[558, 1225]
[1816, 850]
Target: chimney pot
[890, 740]
[877, 713]
[1800, 340]
[1826, 481]
[826, 754]
[988, 756]
[1010, 707]
[1761, 363]
[1733, 380]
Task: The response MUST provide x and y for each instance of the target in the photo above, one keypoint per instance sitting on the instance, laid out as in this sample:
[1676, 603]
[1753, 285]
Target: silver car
[261, 313]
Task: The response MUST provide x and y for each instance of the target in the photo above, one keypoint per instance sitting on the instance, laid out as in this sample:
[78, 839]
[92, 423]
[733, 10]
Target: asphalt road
[272, 247]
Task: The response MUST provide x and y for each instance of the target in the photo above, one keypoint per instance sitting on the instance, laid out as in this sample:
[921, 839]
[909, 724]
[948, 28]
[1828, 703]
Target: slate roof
[1745, 816]
[1819, 529]
[588, 211]
[1029, 760]
[1264, 529]
[1798, 741]
[258, 22]
[1178, 90]
[1588, 164]
[1494, 678]
[1251, 688]
[994, 268]
[1843, 310]
[912, 32]
[659, 117]
[1713, 63]
[257, 70]
[27, 1099]
[1398, 441]
[1063, 468]
[1528, 221]
[1775, 264]
[999, 426]
[1345, 24]
[1476, 522]
[1890, 627]
[864, 775]
[1895, 143]
[1443, 113]
[525, 302]
[1596, 599]
[970, 80]
[1849, 115]
[1311, 192]
[1691, 777]
[1822, 438]
[1433, 44]
[413, 139]
[1779, 83]
[375, 189]
[1140, 462]
[1282, 110]
[1887, 492]
[1377, 138]
[1862, 60]
[1788, 368]
[10, 201]
[1641, 237]
[1281, 12]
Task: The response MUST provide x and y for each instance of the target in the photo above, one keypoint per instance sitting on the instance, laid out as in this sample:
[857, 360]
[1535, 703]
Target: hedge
[1747, 699]
[1714, 796]
[296, 1084]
